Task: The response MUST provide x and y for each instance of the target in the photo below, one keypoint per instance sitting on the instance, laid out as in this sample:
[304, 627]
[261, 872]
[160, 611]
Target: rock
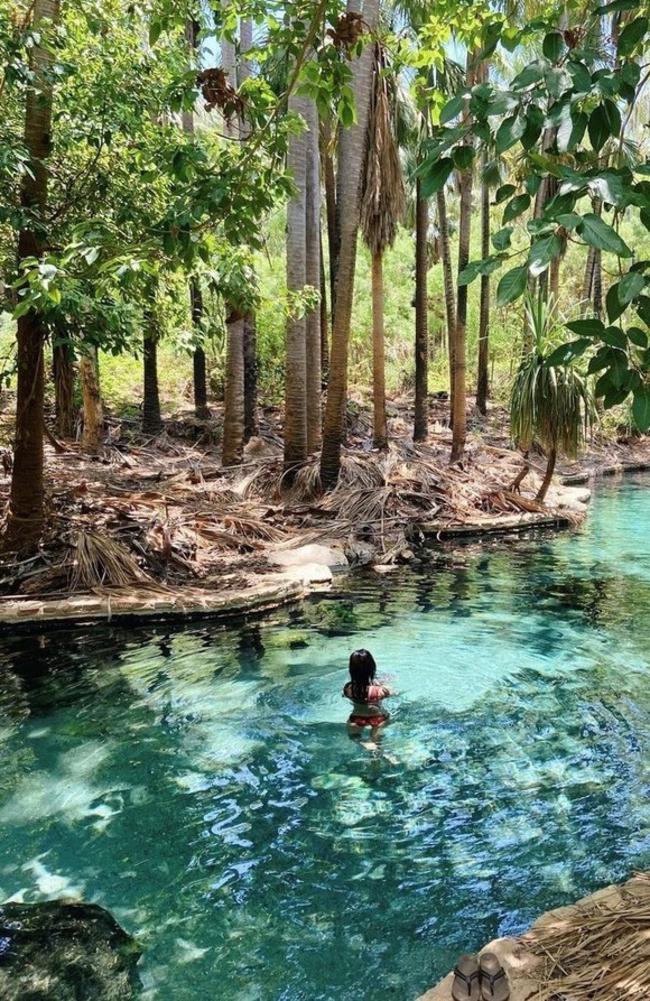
[64, 950]
[383, 568]
[310, 573]
[571, 498]
[359, 554]
[323, 555]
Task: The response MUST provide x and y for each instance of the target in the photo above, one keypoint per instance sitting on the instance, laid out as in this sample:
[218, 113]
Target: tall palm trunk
[295, 419]
[380, 433]
[25, 517]
[324, 343]
[352, 148]
[251, 426]
[199, 368]
[63, 372]
[548, 476]
[482, 386]
[329, 176]
[151, 419]
[313, 276]
[421, 422]
[448, 282]
[233, 419]
[93, 410]
[459, 401]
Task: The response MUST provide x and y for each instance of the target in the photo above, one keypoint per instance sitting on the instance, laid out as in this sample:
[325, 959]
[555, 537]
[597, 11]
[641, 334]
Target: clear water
[199, 783]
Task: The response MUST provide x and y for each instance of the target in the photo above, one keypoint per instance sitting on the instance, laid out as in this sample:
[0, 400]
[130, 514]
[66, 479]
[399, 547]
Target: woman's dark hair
[362, 673]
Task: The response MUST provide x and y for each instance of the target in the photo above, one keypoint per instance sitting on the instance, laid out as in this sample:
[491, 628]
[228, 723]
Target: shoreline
[266, 592]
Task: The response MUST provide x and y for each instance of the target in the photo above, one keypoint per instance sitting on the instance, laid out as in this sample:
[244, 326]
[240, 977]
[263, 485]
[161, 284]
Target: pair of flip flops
[480, 979]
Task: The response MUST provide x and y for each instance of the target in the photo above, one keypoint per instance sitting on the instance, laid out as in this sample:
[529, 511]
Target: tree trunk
[380, 434]
[333, 235]
[26, 513]
[295, 419]
[251, 427]
[421, 422]
[597, 287]
[63, 372]
[324, 345]
[448, 282]
[548, 476]
[459, 401]
[313, 275]
[200, 381]
[233, 419]
[352, 147]
[588, 283]
[93, 410]
[151, 419]
[482, 387]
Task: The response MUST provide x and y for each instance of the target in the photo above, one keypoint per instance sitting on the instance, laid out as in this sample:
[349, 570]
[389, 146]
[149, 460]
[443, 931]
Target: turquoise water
[199, 783]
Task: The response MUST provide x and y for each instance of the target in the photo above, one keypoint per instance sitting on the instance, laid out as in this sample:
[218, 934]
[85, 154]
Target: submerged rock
[331, 556]
[63, 950]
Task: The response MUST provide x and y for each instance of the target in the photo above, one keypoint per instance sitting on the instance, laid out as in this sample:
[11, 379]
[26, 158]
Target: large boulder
[63, 950]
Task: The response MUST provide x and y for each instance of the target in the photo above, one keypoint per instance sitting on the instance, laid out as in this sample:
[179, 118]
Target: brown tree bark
[251, 426]
[151, 419]
[199, 368]
[63, 372]
[233, 421]
[26, 512]
[333, 235]
[448, 283]
[313, 277]
[324, 323]
[548, 476]
[380, 433]
[352, 146]
[421, 421]
[93, 410]
[482, 385]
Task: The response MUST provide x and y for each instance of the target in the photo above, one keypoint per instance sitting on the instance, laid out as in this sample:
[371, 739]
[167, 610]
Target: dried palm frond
[599, 952]
[253, 528]
[101, 561]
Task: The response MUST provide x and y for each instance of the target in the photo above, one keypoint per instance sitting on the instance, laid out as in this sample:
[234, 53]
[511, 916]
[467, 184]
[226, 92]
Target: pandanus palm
[382, 208]
[551, 403]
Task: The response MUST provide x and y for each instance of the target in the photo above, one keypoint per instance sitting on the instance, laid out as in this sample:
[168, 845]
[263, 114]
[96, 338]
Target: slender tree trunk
[295, 396]
[588, 283]
[333, 235]
[251, 427]
[233, 420]
[26, 512]
[598, 283]
[482, 387]
[448, 283]
[548, 476]
[93, 410]
[352, 147]
[420, 428]
[313, 276]
[459, 402]
[324, 344]
[380, 434]
[200, 379]
[151, 419]
[63, 371]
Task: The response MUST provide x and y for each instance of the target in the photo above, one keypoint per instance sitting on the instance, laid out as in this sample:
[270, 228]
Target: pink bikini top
[375, 694]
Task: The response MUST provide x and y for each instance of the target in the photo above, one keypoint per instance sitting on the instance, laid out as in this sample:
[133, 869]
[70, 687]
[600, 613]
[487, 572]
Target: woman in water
[365, 696]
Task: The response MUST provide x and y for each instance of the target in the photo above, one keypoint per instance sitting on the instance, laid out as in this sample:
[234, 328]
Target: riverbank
[596, 948]
[158, 527]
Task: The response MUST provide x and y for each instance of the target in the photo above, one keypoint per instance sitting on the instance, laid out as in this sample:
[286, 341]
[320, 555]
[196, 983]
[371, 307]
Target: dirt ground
[164, 513]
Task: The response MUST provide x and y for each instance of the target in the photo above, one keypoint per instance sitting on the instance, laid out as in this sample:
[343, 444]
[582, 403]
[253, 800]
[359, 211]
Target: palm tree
[250, 325]
[295, 401]
[421, 419]
[63, 373]
[313, 276]
[459, 394]
[382, 207]
[232, 446]
[352, 148]
[447, 279]
[151, 419]
[551, 403]
[26, 512]
[482, 382]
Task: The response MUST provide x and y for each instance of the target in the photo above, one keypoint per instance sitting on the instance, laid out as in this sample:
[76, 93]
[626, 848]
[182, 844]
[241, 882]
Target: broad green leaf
[542, 253]
[532, 73]
[569, 219]
[463, 157]
[613, 305]
[510, 130]
[600, 361]
[631, 35]
[598, 233]
[475, 268]
[504, 192]
[515, 207]
[502, 103]
[568, 352]
[616, 5]
[534, 126]
[615, 337]
[501, 239]
[638, 337]
[589, 327]
[553, 46]
[452, 109]
[630, 286]
[435, 177]
[512, 285]
[599, 130]
[581, 77]
[155, 30]
[641, 408]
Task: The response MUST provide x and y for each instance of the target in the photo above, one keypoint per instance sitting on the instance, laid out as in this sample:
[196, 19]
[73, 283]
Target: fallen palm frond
[597, 953]
[102, 561]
